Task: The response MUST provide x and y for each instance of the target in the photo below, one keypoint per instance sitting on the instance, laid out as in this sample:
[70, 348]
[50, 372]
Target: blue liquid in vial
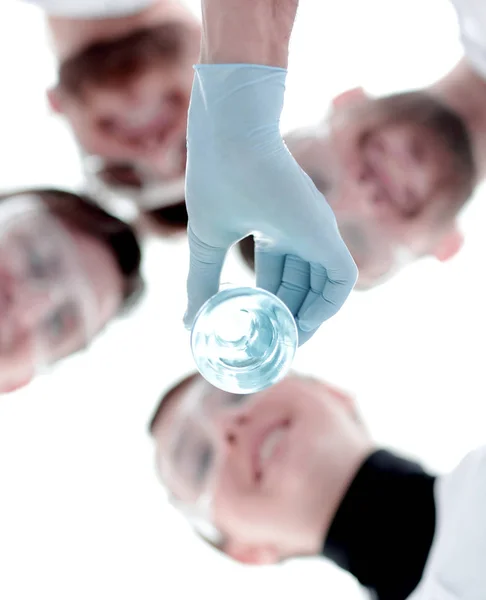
[244, 340]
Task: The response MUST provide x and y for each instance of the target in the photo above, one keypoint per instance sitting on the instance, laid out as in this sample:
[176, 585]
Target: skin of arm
[247, 31]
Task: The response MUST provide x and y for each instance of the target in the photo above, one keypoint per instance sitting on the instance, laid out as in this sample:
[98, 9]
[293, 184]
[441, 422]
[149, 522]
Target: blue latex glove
[241, 179]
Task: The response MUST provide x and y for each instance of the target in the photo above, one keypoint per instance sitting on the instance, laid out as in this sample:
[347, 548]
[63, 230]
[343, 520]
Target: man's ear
[54, 99]
[349, 97]
[251, 555]
[449, 245]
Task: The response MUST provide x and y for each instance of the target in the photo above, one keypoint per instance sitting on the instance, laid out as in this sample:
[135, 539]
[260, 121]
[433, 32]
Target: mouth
[140, 123]
[148, 128]
[269, 447]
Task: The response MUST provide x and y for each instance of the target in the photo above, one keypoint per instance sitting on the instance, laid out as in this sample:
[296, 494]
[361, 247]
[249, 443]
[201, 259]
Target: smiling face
[266, 469]
[402, 170]
[58, 288]
[126, 97]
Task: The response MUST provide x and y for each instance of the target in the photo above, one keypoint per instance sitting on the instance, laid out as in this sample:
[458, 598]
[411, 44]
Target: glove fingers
[305, 336]
[295, 284]
[206, 264]
[325, 298]
[269, 267]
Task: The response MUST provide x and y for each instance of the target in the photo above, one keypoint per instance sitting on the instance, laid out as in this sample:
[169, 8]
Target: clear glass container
[244, 340]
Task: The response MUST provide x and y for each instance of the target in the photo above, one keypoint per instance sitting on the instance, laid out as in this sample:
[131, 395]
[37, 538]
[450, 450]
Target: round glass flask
[244, 340]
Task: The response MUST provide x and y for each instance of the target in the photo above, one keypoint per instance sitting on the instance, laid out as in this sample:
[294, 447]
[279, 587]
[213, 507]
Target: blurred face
[112, 183]
[395, 184]
[265, 468]
[58, 287]
[126, 98]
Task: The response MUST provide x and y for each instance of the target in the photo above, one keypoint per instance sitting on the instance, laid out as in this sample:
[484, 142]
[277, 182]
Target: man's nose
[231, 430]
[236, 437]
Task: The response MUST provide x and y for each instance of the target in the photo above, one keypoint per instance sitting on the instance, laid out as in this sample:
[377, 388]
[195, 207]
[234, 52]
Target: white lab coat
[471, 15]
[91, 9]
[456, 566]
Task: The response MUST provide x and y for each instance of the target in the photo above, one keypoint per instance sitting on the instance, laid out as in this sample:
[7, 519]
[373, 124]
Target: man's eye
[43, 264]
[233, 400]
[59, 322]
[38, 267]
[204, 462]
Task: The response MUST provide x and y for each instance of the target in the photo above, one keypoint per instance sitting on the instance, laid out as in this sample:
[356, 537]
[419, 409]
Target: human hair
[113, 62]
[82, 213]
[168, 398]
[423, 109]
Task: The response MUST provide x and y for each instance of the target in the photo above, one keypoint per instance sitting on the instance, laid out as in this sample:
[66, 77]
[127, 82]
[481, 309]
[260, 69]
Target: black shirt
[384, 527]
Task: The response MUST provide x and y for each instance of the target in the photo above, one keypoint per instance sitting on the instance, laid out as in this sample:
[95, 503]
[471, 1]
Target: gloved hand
[241, 179]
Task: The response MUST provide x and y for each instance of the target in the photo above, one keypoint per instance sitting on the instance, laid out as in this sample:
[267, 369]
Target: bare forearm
[247, 31]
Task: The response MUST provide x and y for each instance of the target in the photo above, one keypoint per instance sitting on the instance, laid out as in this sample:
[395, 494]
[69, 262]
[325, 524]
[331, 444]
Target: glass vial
[244, 340]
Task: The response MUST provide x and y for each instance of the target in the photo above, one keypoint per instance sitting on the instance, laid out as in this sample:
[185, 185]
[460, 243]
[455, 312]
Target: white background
[81, 512]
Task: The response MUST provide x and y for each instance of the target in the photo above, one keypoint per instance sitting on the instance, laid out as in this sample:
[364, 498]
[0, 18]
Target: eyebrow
[73, 340]
[178, 451]
[182, 440]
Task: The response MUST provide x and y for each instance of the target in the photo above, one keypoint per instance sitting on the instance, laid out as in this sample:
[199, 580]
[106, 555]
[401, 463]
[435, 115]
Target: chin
[364, 286]
[370, 282]
[8, 388]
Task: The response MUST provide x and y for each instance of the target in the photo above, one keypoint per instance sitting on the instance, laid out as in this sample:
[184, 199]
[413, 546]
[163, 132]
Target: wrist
[247, 31]
[236, 104]
[267, 54]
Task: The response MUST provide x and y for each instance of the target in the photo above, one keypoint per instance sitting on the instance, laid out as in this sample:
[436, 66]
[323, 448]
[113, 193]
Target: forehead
[181, 402]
